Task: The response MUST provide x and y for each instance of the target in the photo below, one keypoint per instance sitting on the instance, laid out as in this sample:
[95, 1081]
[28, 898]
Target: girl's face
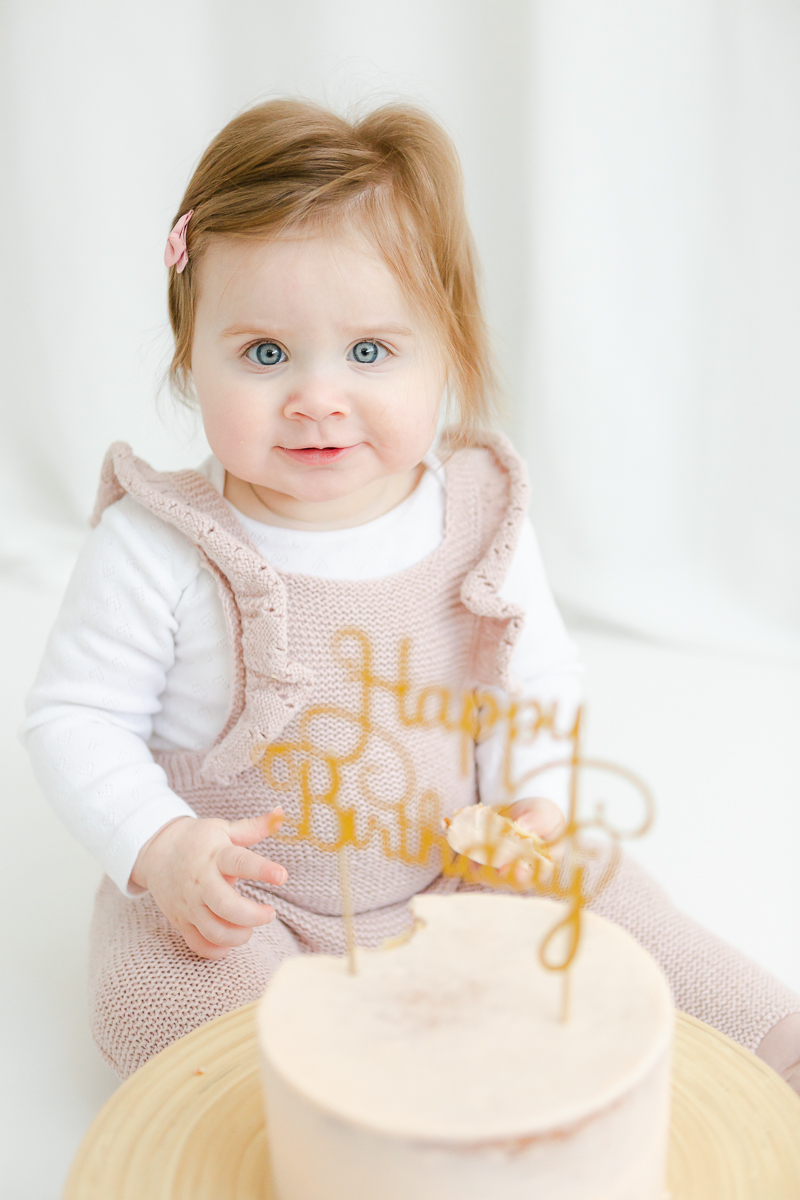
[317, 381]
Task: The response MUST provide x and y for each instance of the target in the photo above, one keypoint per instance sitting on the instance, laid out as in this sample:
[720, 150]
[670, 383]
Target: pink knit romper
[344, 683]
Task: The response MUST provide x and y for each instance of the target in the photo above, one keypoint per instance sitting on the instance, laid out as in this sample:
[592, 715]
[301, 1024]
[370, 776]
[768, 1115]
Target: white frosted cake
[441, 1070]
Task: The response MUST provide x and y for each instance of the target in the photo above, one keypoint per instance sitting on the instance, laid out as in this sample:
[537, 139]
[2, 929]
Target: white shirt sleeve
[90, 712]
[546, 671]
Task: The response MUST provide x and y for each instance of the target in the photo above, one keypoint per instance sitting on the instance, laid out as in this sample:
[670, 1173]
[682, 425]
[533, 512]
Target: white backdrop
[663, 411]
[633, 171]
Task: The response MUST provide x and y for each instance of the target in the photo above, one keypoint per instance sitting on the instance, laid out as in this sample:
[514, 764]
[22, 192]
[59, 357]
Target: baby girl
[323, 298]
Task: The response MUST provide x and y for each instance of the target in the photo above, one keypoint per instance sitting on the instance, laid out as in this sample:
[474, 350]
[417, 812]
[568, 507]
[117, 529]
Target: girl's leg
[147, 988]
[709, 979]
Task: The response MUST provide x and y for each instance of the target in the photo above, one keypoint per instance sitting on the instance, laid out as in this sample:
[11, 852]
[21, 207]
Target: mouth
[318, 455]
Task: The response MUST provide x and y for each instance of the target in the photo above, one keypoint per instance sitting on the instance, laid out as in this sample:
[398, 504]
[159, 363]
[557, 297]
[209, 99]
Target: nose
[316, 398]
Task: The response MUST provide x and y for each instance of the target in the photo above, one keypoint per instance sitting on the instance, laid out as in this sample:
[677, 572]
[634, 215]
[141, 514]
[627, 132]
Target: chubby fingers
[222, 933]
[225, 919]
[201, 945]
[226, 904]
[540, 816]
[250, 830]
[237, 862]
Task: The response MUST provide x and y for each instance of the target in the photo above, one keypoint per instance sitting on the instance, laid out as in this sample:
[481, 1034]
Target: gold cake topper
[412, 829]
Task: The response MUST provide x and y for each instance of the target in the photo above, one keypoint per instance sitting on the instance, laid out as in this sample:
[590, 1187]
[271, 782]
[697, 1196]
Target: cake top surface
[455, 1035]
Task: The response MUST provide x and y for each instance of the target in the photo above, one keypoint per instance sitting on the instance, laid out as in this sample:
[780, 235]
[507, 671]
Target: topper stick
[566, 995]
[347, 905]
[574, 774]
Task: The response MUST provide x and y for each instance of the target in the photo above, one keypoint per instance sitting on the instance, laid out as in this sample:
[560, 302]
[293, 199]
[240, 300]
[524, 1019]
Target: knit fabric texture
[341, 698]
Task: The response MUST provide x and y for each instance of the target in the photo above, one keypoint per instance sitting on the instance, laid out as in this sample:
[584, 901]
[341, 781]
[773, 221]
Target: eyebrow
[233, 331]
[242, 331]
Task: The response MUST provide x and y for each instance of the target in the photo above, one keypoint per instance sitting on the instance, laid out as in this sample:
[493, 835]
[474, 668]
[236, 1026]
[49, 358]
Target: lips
[318, 455]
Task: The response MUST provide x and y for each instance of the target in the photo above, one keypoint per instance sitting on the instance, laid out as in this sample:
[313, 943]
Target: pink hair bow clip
[176, 255]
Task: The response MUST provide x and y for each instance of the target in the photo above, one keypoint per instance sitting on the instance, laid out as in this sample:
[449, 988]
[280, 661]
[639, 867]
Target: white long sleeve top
[139, 659]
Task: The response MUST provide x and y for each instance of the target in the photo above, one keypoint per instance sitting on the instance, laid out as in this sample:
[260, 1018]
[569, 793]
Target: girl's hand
[542, 817]
[189, 867]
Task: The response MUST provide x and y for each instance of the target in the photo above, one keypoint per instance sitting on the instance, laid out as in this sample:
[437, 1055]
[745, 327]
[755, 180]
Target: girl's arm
[91, 715]
[90, 711]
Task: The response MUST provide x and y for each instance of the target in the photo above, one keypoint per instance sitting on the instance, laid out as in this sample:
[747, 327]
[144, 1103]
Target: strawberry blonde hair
[289, 166]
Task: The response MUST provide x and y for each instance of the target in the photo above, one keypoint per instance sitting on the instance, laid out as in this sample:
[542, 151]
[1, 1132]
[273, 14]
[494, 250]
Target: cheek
[231, 411]
[407, 435]
[232, 434]
[412, 411]
[418, 412]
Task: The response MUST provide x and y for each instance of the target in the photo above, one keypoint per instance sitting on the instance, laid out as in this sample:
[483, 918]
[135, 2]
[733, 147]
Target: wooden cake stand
[189, 1125]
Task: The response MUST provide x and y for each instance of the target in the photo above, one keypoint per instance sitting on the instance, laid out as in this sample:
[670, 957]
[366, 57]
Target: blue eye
[266, 354]
[367, 352]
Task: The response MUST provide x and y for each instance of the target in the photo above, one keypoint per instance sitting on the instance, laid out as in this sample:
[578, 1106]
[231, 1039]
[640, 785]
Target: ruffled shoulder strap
[274, 688]
[488, 489]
